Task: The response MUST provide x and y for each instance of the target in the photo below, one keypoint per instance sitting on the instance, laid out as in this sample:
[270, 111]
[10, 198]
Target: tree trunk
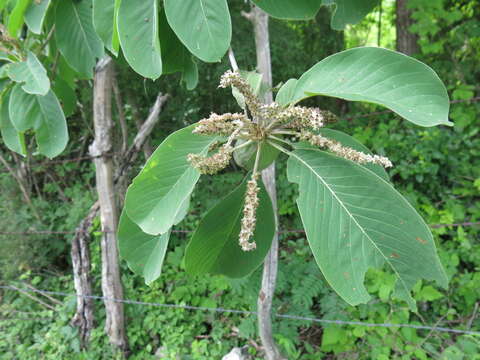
[101, 148]
[259, 20]
[406, 41]
[80, 253]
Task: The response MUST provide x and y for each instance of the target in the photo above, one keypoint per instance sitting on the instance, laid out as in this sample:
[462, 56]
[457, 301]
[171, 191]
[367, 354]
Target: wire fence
[183, 231]
[249, 313]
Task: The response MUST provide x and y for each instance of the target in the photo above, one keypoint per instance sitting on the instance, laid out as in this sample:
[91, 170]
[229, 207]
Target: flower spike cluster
[269, 123]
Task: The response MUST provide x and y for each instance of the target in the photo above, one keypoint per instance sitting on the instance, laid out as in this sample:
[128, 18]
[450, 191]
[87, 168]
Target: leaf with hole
[137, 24]
[355, 220]
[204, 27]
[44, 116]
[31, 74]
[214, 247]
[157, 194]
[385, 77]
[76, 37]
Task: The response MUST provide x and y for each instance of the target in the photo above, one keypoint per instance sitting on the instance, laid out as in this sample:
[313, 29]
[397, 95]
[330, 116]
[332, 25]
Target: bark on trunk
[259, 20]
[406, 41]
[80, 252]
[101, 148]
[84, 317]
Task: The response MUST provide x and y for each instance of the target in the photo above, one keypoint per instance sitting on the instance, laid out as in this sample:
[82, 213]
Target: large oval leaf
[31, 73]
[103, 16]
[204, 26]
[401, 83]
[13, 139]
[157, 194]
[143, 252]
[137, 23]
[15, 20]
[35, 15]
[349, 11]
[76, 37]
[351, 142]
[288, 9]
[214, 247]
[355, 220]
[286, 94]
[44, 116]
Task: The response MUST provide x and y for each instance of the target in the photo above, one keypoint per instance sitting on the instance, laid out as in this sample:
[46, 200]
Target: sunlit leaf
[157, 194]
[13, 139]
[31, 74]
[288, 9]
[349, 11]
[385, 77]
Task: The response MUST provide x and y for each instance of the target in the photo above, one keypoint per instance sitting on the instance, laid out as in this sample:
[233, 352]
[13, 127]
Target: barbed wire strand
[181, 231]
[246, 312]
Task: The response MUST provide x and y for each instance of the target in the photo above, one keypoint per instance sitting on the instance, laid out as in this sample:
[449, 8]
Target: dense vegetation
[437, 169]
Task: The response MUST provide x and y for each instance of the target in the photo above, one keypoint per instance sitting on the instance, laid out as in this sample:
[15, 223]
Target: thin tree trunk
[84, 316]
[259, 20]
[406, 41]
[80, 253]
[101, 148]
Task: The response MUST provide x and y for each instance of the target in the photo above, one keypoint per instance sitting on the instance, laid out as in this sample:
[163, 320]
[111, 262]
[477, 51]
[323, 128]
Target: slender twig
[280, 139]
[285, 132]
[47, 39]
[282, 149]
[246, 143]
[472, 318]
[51, 298]
[27, 294]
[257, 158]
[233, 61]
[121, 114]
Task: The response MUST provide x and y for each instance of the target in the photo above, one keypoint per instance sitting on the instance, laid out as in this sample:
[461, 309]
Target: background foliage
[437, 169]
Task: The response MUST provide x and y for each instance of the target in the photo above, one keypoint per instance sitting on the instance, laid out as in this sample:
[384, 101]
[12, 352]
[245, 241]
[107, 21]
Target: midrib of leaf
[351, 216]
[77, 16]
[206, 22]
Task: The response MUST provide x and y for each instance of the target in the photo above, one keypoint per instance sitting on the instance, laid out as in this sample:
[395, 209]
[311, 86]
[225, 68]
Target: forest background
[436, 169]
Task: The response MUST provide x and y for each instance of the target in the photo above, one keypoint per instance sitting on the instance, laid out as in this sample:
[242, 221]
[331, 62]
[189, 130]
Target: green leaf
[15, 21]
[44, 115]
[190, 74]
[156, 195]
[429, 293]
[31, 73]
[351, 142]
[115, 39]
[288, 9]
[66, 95]
[137, 24]
[143, 252]
[174, 53]
[203, 26]
[35, 15]
[245, 157]
[385, 77]
[214, 247]
[13, 139]
[103, 16]
[286, 93]
[355, 220]
[76, 37]
[349, 11]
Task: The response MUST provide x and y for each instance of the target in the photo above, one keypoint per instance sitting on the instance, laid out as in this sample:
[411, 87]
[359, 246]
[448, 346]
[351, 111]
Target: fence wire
[246, 312]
